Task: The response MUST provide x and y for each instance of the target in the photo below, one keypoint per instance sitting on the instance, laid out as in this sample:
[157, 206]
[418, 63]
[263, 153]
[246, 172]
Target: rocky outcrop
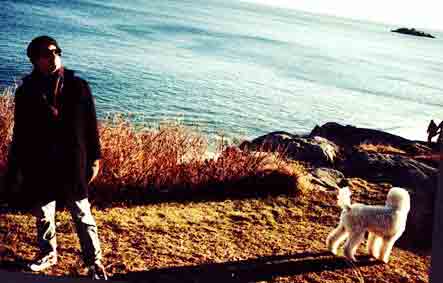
[419, 179]
[412, 31]
[328, 178]
[317, 150]
[397, 170]
[335, 154]
[349, 135]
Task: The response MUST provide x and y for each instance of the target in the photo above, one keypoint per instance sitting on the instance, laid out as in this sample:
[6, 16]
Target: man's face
[49, 60]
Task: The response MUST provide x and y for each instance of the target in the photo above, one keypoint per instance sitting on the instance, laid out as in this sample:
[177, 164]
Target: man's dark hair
[36, 45]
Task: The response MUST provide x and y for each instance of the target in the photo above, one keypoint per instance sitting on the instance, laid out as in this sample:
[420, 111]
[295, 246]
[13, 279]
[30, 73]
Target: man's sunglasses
[46, 53]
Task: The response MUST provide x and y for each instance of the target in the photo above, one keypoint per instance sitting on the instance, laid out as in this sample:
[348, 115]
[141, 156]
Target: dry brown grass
[171, 157]
[380, 148]
[6, 121]
[256, 239]
[271, 239]
[168, 156]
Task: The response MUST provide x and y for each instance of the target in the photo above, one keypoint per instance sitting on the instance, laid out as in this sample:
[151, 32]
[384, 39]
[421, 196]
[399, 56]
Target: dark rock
[350, 135]
[418, 178]
[269, 142]
[335, 145]
[396, 169]
[417, 148]
[328, 178]
[420, 222]
[317, 150]
[314, 149]
[412, 31]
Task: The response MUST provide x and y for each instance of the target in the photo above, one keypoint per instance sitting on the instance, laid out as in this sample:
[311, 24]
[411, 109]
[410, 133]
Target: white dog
[385, 224]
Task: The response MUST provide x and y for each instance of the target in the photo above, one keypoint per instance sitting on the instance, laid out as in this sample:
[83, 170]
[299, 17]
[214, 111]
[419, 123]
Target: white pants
[85, 225]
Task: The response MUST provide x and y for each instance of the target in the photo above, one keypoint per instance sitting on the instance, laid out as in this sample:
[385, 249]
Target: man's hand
[95, 169]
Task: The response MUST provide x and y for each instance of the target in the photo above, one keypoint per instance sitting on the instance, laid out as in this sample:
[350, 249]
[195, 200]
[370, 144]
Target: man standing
[56, 147]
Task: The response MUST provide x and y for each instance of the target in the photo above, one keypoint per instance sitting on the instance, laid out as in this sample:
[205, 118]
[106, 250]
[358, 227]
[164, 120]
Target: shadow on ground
[18, 264]
[262, 185]
[251, 270]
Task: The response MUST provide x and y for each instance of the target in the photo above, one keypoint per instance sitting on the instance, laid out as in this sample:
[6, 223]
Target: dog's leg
[370, 244]
[373, 245]
[334, 239]
[376, 246]
[354, 240]
[386, 248]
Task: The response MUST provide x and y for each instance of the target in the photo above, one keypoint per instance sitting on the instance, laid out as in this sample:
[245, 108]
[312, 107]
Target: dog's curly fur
[385, 224]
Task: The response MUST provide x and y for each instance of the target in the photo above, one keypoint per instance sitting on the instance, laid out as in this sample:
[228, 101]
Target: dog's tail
[344, 198]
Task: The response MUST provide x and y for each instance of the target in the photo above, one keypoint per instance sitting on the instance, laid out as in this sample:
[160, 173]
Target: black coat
[54, 151]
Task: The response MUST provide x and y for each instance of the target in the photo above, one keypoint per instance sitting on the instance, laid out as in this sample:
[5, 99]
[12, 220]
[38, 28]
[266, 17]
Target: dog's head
[398, 198]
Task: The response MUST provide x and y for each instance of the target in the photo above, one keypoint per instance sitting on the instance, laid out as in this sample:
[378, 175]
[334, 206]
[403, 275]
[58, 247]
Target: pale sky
[425, 14]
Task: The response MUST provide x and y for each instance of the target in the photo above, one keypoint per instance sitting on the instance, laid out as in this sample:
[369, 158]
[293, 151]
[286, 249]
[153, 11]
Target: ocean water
[232, 68]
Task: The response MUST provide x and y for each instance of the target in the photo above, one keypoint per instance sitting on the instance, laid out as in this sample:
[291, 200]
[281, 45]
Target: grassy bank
[138, 164]
[269, 239]
[167, 214]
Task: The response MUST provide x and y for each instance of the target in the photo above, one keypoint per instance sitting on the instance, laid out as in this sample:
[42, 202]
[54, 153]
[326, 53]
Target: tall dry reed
[6, 121]
[170, 156]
